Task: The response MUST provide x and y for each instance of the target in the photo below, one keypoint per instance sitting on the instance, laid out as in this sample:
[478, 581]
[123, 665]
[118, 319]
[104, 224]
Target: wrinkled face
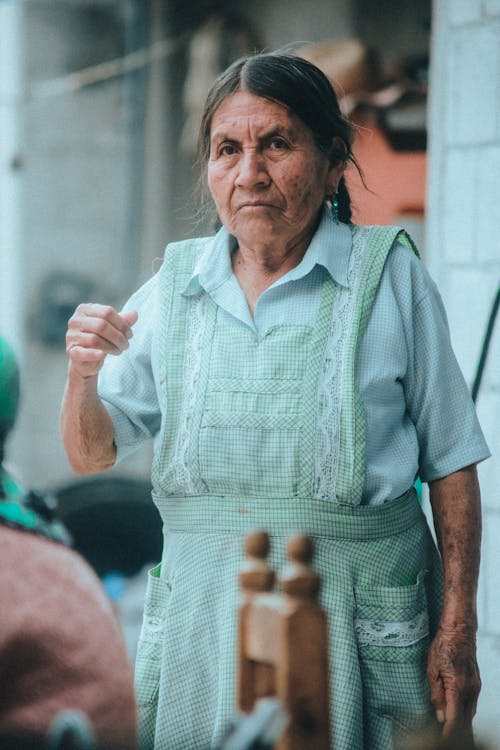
[266, 175]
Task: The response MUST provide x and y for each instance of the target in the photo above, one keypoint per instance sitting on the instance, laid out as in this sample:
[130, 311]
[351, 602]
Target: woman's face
[266, 175]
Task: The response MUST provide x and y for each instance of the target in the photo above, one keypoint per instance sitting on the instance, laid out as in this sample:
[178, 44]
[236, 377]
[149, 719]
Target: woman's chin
[257, 227]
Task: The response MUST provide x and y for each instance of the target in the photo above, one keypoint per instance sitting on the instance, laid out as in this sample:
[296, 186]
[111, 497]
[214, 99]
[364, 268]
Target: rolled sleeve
[438, 398]
[127, 384]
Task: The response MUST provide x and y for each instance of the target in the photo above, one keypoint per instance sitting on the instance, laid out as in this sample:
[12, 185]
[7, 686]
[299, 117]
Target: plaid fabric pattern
[418, 410]
[376, 692]
[374, 244]
[246, 455]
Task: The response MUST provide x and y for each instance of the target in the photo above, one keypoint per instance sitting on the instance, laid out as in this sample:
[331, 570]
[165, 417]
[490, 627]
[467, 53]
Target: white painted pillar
[11, 93]
[463, 251]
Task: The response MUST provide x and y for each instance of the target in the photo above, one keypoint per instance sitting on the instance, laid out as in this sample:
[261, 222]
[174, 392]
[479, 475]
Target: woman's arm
[94, 331]
[452, 668]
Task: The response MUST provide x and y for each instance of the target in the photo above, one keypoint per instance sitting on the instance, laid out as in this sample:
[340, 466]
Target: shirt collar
[330, 247]
[213, 267]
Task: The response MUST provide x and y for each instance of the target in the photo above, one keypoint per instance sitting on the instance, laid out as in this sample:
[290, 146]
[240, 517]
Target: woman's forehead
[243, 109]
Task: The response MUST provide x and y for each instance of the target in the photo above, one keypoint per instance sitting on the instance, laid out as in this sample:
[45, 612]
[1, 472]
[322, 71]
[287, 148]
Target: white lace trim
[192, 367]
[380, 633]
[153, 629]
[327, 448]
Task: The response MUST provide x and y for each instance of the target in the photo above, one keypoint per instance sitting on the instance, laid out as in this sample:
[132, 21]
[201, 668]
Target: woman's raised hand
[93, 332]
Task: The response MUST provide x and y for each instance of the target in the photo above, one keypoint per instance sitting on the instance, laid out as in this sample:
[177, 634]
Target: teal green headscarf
[9, 385]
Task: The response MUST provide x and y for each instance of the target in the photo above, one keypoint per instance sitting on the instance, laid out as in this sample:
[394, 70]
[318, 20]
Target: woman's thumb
[130, 317]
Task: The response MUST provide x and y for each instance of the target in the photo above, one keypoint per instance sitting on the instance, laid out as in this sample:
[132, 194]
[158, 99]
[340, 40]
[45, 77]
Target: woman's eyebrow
[281, 130]
[274, 130]
[222, 135]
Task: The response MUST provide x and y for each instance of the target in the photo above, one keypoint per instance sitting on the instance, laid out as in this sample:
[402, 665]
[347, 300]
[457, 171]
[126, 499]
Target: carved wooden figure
[283, 642]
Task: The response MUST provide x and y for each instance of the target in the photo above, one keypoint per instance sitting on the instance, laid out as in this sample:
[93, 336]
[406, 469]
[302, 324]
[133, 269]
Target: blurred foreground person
[296, 374]
[60, 646]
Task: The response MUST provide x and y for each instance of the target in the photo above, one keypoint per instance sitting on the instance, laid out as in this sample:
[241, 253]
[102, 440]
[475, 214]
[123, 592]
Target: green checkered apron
[269, 433]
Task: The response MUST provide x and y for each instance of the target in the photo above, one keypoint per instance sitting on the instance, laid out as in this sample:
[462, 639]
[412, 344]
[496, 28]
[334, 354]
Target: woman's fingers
[86, 354]
[437, 692]
[103, 322]
[130, 317]
[454, 679]
[95, 331]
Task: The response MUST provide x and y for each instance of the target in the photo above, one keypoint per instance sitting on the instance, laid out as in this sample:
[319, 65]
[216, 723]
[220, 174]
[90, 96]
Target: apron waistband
[285, 516]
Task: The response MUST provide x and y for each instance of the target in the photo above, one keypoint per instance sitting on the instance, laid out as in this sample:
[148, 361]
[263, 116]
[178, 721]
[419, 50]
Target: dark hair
[297, 84]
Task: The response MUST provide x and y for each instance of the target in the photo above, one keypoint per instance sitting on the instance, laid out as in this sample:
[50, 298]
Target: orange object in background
[395, 179]
[388, 112]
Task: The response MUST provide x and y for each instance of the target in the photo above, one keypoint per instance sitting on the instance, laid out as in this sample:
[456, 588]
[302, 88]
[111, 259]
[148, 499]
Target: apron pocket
[392, 633]
[250, 453]
[151, 639]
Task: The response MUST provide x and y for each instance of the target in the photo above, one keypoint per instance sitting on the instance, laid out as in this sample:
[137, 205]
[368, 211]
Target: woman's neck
[259, 266]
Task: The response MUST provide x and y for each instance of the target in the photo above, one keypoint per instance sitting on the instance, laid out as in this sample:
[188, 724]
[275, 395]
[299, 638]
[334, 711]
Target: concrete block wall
[10, 179]
[463, 251]
[64, 184]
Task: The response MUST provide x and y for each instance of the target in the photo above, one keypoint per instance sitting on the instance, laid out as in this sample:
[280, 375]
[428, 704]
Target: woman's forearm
[456, 508]
[86, 427]
[451, 665]
[94, 332]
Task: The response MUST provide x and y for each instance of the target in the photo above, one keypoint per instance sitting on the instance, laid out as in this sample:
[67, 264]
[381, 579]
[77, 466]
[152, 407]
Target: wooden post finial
[255, 574]
[300, 549]
[298, 578]
[257, 545]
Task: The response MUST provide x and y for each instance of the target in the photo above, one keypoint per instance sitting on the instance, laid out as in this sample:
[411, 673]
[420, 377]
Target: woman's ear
[338, 163]
[338, 151]
[335, 174]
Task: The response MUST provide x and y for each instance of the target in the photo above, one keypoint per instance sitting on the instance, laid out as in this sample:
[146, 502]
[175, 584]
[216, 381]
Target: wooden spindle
[283, 642]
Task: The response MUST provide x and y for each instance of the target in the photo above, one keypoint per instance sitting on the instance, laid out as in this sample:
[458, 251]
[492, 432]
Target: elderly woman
[295, 372]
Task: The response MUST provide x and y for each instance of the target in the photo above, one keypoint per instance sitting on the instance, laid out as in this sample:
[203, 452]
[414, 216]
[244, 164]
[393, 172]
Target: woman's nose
[252, 170]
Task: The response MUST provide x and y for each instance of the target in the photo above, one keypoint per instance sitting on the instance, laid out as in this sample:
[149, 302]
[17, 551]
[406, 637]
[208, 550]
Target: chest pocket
[250, 430]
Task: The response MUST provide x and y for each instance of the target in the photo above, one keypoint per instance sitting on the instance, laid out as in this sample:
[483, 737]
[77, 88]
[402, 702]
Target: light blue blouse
[420, 419]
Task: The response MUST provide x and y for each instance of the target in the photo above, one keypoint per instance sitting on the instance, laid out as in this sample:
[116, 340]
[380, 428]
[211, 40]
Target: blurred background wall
[463, 253]
[97, 103]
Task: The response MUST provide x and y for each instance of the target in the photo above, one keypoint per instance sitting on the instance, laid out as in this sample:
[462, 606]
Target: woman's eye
[227, 149]
[278, 144]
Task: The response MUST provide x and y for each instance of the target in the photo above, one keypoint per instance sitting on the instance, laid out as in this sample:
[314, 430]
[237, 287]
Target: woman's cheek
[219, 178]
[298, 191]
